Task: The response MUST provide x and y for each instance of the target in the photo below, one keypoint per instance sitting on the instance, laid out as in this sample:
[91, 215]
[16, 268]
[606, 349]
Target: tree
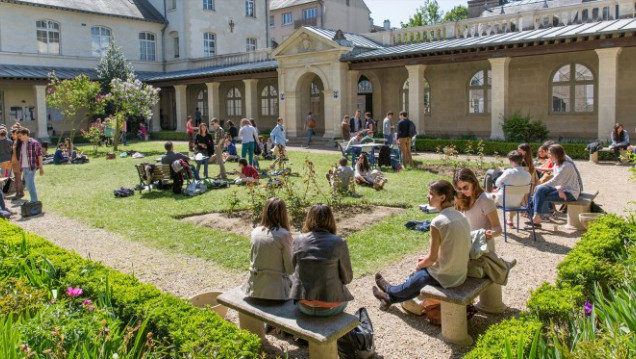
[428, 14]
[459, 12]
[113, 66]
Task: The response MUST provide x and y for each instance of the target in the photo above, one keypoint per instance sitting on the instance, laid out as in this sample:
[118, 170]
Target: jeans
[323, 312]
[310, 134]
[3, 206]
[248, 149]
[205, 167]
[545, 195]
[29, 178]
[389, 140]
[123, 138]
[411, 288]
[195, 171]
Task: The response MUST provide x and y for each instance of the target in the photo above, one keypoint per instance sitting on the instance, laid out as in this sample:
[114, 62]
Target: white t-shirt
[247, 134]
[513, 176]
[451, 267]
[386, 126]
[24, 160]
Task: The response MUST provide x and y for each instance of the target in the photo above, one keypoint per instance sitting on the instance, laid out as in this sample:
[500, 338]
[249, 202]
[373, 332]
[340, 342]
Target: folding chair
[517, 191]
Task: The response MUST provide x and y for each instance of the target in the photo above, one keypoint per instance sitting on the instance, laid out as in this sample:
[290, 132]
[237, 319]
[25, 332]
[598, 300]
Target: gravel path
[397, 334]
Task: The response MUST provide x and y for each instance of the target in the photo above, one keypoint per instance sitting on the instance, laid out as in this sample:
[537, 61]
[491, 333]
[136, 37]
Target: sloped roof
[262, 66]
[589, 29]
[132, 9]
[355, 40]
[42, 72]
[281, 4]
[518, 6]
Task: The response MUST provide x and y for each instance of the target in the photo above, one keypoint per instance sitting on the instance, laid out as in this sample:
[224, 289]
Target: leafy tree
[113, 66]
[459, 12]
[428, 14]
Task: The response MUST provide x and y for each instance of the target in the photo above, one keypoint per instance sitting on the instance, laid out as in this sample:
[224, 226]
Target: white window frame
[49, 29]
[147, 46]
[310, 13]
[234, 102]
[103, 40]
[209, 44]
[287, 18]
[486, 88]
[572, 83]
[251, 44]
[269, 101]
[272, 20]
[175, 46]
[250, 8]
[209, 5]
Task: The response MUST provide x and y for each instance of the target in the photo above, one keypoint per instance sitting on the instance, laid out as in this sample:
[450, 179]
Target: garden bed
[349, 219]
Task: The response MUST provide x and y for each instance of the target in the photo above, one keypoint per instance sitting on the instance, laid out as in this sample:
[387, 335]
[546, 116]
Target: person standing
[369, 122]
[248, 136]
[219, 142]
[30, 161]
[387, 125]
[190, 132]
[310, 125]
[404, 134]
[197, 117]
[278, 134]
[234, 132]
[355, 123]
[346, 128]
[124, 132]
[6, 150]
[15, 163]
[204, 145]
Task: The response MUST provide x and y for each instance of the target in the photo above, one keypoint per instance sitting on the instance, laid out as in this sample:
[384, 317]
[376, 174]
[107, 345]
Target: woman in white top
[446, 263]
[563, 187]
[271, 254]
[248, 136]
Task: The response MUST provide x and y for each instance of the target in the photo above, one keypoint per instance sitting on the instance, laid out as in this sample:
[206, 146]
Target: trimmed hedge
[555, 304]
[490, 345]
[193, 332]
[169, 136]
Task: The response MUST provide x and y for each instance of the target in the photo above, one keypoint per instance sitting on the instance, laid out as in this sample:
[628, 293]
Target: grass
[85, 193]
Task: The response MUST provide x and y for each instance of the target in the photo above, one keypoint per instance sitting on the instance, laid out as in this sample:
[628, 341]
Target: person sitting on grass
[248, 173]
[230, 153]
[446, 263]
[516, 175]
[60, 156]
[341, 177]
[143, 132]
[364, 176]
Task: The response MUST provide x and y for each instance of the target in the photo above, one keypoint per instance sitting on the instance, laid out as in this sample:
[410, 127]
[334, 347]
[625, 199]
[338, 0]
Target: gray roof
[262, 66]
[518, 6]
[355, 40]
[281, 4]
[21, 72]
[132, 9]
[589, 29]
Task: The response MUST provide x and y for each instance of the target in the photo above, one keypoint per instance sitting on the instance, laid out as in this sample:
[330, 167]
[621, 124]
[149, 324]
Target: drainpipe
[163, 38]
[322, 13]
[267, 43]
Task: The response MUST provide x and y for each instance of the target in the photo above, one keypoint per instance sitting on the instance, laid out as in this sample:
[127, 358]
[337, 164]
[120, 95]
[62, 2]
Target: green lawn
[85, 193]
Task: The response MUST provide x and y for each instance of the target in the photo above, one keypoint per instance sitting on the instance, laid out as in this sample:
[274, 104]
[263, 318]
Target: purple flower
[74, 292]
[587, 308]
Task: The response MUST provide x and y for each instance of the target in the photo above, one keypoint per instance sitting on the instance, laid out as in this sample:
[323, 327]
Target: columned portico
[607, 89]
[251, 98]
[41, 115]
[156, 120]
[181, 107]
[334, 104]
[288, 110]
[214, 100]
[499, 97]
[416, 95]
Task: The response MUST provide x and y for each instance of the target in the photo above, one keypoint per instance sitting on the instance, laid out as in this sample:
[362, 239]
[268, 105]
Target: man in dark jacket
[404, 135]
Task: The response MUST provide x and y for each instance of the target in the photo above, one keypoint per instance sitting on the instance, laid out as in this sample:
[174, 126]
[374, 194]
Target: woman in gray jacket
[271, 256]
[322, 266]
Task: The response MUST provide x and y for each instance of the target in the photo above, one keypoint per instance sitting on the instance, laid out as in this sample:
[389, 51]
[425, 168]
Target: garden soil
[397, 335]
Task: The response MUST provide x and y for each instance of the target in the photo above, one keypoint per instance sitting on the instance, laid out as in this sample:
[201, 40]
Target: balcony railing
[306, 22]
[231, 59]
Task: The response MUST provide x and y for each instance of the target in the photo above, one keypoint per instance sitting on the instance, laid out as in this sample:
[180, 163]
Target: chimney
[387, 25]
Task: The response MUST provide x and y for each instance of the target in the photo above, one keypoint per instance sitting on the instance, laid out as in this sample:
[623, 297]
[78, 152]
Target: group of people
[108, 132]
[67, 153]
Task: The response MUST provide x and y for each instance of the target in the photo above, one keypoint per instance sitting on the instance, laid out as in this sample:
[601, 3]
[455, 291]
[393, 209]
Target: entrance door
[365, 95]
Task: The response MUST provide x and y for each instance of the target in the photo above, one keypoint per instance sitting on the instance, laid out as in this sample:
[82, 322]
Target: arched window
[147, 46]
[365, 86]
[479, 92]
[572, 89]
[209, 44]
[427, 97]
[405, 96]
[234, 102]
[202, 102]
[100, 39]
[269, 101]
[48, 35]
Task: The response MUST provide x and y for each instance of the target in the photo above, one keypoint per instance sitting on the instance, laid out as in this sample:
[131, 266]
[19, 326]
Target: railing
[504, 23]
[230, 59]
[313, 21]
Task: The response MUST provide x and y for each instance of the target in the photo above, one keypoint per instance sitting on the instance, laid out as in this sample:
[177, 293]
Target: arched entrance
[365, 95]
[312, 99]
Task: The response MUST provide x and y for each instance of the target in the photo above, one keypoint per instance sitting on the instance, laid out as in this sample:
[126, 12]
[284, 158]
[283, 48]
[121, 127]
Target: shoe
[381, 282]
[536, 225]
[16, 198]
[385, 302]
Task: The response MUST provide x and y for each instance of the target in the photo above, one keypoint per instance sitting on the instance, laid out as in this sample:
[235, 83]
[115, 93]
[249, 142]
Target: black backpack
[490, 178]
[412, 129]
[358, 343]
[384, 158]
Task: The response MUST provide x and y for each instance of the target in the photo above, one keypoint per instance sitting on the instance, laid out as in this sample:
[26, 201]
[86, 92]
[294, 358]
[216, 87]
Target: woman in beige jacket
[271, 255]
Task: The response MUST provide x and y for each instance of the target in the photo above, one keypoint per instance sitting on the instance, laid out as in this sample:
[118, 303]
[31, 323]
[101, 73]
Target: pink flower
[74, 292]
[88, 305]
[87, 302]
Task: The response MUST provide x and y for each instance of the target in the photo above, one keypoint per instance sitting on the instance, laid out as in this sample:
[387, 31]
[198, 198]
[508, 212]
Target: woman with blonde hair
[248, 136]
[271, 254]
[322, 266]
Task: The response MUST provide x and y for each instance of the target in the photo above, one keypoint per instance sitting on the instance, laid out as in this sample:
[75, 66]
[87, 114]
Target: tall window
[234, 102]
[314, 89]
[209, 44]
[479, 90]
[48, 35]
[572, 89]
[310, 13]
[287, 18]
[172, 4]
[272, 21]
[175, 46]
[208, 4]
[249, 8]
[202, 102]
[147, 46]
[269, 101]
[100, 39]
[427, 97]
[250, 44]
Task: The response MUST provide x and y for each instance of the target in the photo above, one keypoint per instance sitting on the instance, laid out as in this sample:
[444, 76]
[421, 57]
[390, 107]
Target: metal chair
[517, 191]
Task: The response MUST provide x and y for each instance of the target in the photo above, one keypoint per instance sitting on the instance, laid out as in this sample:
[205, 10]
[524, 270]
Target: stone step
[316, 142]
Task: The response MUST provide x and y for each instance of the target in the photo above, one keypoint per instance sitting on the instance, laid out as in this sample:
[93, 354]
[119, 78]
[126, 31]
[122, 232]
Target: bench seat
[582, 205]
[321, 333]
[160, 172]
[594, 156]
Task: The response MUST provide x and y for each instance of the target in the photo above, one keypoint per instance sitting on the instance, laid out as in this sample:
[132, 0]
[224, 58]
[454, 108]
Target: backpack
[216, 184]
[311, 123]
[9, 186]
[384, 158]
[123, 192]
[593, 147]
[490, 178]
[358, 343]
[412, 129]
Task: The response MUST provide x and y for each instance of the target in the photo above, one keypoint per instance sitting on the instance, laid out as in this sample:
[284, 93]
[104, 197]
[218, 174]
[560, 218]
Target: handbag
[257, 148]
[111, 156]
[29, 209]
[9, 186]
[358, 343]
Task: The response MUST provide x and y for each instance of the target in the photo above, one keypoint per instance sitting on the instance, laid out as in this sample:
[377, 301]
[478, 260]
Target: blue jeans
[389, 140]
[324, 312]
[205, 167]
[123, 138]
[29, 178]
[195, 172]
[248, 149]
[411, 288]
[3, 206]
[545, 195]
[310, 134]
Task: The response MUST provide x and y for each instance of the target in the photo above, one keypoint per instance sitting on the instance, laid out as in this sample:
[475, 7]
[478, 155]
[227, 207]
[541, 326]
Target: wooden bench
[594, 156]
[160, 173]
[453, 307]
[321, 333]
[582, 205]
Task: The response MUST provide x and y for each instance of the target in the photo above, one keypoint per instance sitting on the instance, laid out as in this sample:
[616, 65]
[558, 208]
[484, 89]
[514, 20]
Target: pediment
[306, 41]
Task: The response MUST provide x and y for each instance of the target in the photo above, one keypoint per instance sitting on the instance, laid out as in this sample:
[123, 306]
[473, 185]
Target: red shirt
[250, 171]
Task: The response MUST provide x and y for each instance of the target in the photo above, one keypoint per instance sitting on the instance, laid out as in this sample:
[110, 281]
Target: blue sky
[400, 10]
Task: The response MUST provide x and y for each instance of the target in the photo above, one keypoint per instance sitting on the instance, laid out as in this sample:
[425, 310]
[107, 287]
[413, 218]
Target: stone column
[498, 95]
[251, 98]
[293, 118]
[607, 89]
[351, 95]
[182, 107]
[156, 117]
[416, 95]
[40, 112]
[214, 101]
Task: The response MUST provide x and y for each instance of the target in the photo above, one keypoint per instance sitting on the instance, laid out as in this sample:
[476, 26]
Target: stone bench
[582, 205]
[321, 333]
[594, 156]
[453, 302]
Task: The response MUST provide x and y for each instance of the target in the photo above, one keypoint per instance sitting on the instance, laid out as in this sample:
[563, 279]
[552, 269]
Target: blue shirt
[59, 157]
[231, 150]
[278, 135]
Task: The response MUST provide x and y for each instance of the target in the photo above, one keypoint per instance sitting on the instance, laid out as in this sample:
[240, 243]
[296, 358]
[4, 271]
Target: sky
[401, 10]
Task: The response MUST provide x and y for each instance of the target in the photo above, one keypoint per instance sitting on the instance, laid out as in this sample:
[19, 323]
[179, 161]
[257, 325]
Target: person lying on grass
[248, 173]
